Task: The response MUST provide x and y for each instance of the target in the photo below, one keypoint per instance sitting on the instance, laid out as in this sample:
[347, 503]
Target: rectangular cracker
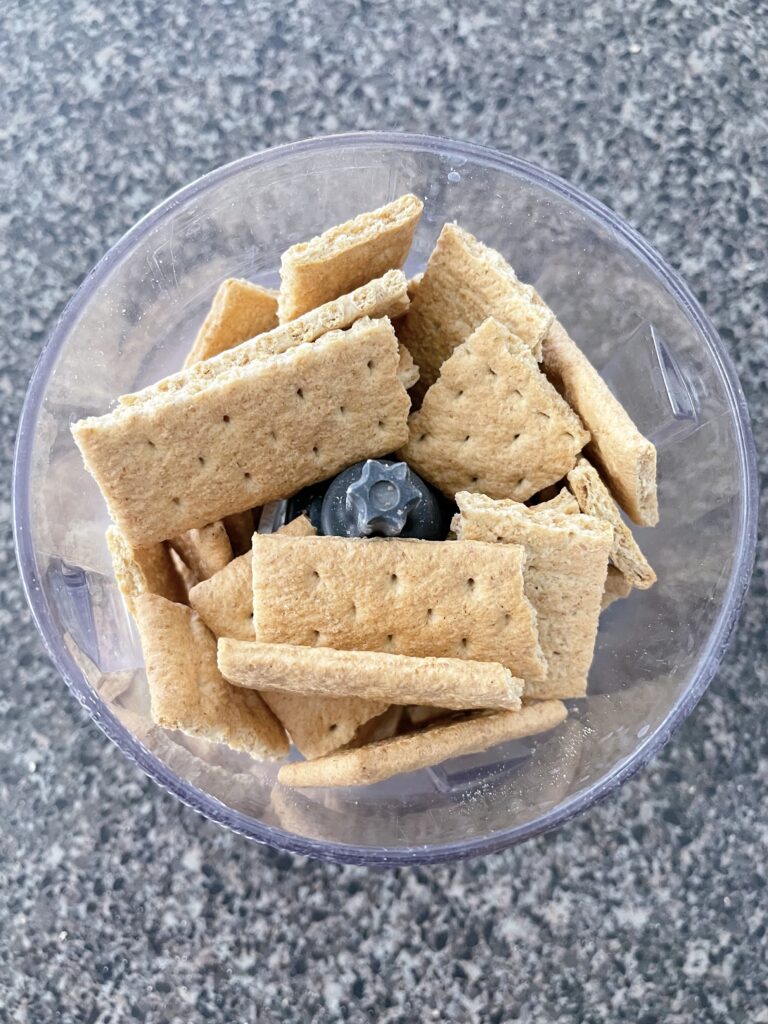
[186, 689]
[346, 256]
[595, 499]
[617, 587]
[239, 529]
[205, 550]
[415, 750]
[626, 459]
[564, 580]
[424, 598]
[493, 422]
[147, 570]
[386, 296]
[240, 311]
[225, 601]
[466, 282]
[395, 678]
[261, 433]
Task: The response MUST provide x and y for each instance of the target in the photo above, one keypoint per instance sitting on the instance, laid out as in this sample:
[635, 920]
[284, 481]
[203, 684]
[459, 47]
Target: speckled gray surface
[118, 904]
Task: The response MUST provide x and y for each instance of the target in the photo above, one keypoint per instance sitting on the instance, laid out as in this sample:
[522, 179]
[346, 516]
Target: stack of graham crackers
[379, 655]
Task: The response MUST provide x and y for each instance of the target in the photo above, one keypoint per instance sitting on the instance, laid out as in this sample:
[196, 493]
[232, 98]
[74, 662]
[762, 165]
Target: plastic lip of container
[464, 156]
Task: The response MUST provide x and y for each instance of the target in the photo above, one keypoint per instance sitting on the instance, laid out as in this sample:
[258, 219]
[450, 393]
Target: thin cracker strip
[205, 550]
[386, 296]
[626, 459]
[493, 422]
[595, 499]
[465, 282]
[395, 678]
[275, 427]
[187, 691]
[346, 256]
[564, 580]
[225, 601]
[422, 598]
[148, 570]
[240, 311]
[617, 587]
[424, 748]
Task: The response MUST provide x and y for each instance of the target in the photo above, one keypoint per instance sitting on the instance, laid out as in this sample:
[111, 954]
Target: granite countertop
[117, 903]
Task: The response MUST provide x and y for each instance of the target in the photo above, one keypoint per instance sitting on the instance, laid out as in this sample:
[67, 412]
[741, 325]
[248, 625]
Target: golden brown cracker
[465, 283]
[394, 678]
[240, 311]
[493, 423]
[564, 580]
[626, 459]
[346, 256]
[143, 570]
[421, 749]
[205, 550]
[187, 691]
[422, 598]
[254, 434]
[595, 499]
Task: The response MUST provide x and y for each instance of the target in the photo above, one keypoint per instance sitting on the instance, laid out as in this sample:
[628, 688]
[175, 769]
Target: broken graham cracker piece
[225, 601]
[318, 725]
[386, 296]
[346, 256]
[205, 550]
[563, 501]
[424, 748]
[239, 529]
[186, 689]
[617, 587]
[626, 459]
[407, 370]
[240, 311]
[148, 570]
[252, 434]
[375, 675]
[493, 423]
[595, 499]
[466, 282]
[423, 598]
[567, 563]
[382, 727]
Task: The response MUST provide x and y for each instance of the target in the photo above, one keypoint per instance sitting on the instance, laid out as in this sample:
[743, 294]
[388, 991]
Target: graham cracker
[382, 727]
[143, 570]
[564, 580]
[563, 501]
[239, 529]
[253, 434]
[407, 370]
[225, 601]
[205, 550]
[493, 423]
[186, 689]
[626, 459]
[386, 296]
[318, 725]
[346, 256]
[466, 282]
[423, 598]
[240, 311]
[394, 678]
[595, 499]
[617, 587]
[415, 750]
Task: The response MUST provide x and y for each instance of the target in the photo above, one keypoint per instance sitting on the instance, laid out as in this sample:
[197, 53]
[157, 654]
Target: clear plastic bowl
[132, 321]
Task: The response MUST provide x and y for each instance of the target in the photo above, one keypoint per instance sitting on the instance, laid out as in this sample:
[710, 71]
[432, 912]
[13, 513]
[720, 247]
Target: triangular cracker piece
[595, 499]
[382, 760]
[626, 459]
[395, 678]
[205, 550]
[465, 282]
[225, 601]
[252, 434]
[148, 570]
[186, 689]
[346, 256]
[563, 501]
[493, 423]
[617, 587]
[318, 725]
[564, 579]
[423, 598]
[240, 311]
